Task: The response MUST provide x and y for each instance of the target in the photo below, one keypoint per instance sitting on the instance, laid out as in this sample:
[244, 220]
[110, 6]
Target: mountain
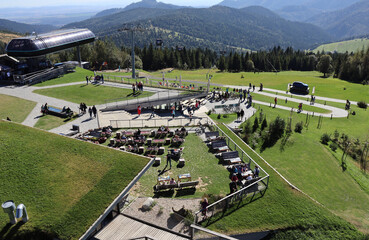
[270, 4]
[323, 5]
[16, 27]
[217, 27]
[142, 4]
[346, 23]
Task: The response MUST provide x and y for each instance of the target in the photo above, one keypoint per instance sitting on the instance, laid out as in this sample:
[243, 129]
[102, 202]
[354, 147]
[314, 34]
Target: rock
[148, 204]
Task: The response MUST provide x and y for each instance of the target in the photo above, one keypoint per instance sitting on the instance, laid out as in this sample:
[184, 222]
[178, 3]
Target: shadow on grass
[232, 208]
[185, 192]
[164, 194]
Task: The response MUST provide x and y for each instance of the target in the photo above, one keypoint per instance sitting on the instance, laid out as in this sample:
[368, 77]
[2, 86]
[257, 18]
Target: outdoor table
[181, 162]
[161, 150]
[167, 141]
[157, 160]
[149, 141]
[163, 180]
[245, 174]
[185, 176]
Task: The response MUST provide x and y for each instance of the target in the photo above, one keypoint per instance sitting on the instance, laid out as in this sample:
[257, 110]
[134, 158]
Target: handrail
[243, 189]
[194, 226]
[146, 237]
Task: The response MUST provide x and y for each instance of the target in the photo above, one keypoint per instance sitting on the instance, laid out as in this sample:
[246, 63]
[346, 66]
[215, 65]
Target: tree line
[353, 67]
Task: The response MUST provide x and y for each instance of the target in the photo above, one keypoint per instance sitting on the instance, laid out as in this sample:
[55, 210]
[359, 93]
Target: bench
[59, 112]
[211, 135]
[158, 188]
[231, 157]
[220, 146]
[246, 183]
[187, 184]
[178, 186]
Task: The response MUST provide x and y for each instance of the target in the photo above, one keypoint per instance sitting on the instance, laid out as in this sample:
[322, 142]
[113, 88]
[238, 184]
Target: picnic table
[186, 177]
[163, 180]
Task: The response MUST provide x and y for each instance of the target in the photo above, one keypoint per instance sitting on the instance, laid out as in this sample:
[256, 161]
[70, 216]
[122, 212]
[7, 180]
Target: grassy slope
[78, 76]
[309, 165]
[328, 87]
[89, 94]
[65, 184]
[345, 46]
[15, 108]
[284, 208]
[47, 122]
[198, 159]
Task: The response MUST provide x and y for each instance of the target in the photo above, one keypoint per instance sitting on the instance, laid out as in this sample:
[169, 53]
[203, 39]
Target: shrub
[218, 117]
[362, 104]
[333, 146]
[336, 136]
[264, 124]
[225, 116]
[325, 138]
[298, 127]
[256, 124]
[208, 113]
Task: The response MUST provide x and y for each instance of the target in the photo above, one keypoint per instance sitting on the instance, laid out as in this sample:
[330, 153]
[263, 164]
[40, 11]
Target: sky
[107, 3]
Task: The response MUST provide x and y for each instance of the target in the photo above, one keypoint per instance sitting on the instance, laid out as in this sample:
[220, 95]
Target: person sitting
[183, 129]
[64, 108]
[162, 128]
[232, 187]
[172, 181]
[138, 132]
[234, 178]
[235, 170]
[248, 178]
[256, 171]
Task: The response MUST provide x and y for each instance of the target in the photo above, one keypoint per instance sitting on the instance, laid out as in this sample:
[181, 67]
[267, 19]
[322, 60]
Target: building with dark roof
[38, 45]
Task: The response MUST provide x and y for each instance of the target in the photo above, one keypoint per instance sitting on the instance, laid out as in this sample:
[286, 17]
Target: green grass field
[16, 109]
[291, 213]
[78, 76]
[48, 122]
[200, 163]
[354, 45]
[327, 87]
[90, 94]
[65, 184]
[308, 164]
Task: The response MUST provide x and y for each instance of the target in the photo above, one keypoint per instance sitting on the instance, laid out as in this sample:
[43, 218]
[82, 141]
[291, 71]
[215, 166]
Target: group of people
[96, 78]
[91, 110]
[44, 108]
[240, 114]
[138, 86]
[236, 177]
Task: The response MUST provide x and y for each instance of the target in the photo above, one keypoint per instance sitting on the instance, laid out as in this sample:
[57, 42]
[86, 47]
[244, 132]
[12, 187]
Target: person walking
[242, 114]
[275, 101]
[169, 161]
[86, 80]
[204, 205]
[90, 111]
[139, 110]
[173, 112]
[102, 78]
[94, 110]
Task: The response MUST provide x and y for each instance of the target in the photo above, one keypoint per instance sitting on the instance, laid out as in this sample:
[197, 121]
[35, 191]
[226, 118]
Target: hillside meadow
[64, 183]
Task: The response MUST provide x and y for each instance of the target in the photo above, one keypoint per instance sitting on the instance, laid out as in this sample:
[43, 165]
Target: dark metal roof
[37, 45]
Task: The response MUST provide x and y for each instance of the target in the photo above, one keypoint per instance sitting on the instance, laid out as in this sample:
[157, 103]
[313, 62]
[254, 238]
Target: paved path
[84, 121]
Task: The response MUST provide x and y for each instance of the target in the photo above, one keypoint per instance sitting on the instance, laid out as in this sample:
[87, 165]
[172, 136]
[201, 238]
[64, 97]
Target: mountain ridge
[248, 28]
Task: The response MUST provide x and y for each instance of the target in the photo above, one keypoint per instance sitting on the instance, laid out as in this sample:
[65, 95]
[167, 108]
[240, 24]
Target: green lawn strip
[47, 122]
[283, 208]
[78, 76]
[200, 163]
[65, 184]
[306, 100]
[16, 109]
[353, 168]
[90, 94]
[328, 87]
[224, 118]
[354, 45]
[290, 104]
[309, 165]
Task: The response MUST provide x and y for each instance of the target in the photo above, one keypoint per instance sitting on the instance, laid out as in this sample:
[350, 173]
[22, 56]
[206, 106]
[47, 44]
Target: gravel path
[161, 214]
